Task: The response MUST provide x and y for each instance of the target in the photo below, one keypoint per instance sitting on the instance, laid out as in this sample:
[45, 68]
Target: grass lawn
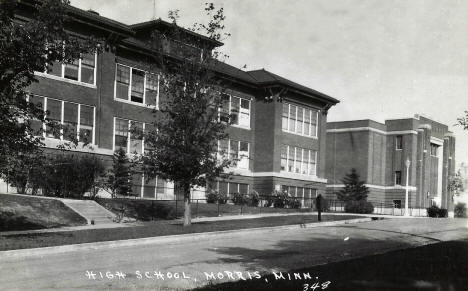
[29, 212]
[151, 229]
[157, 209]
[440, 266]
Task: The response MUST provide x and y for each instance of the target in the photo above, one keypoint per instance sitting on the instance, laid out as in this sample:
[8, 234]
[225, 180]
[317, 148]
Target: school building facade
[279, 136]
[379, 152]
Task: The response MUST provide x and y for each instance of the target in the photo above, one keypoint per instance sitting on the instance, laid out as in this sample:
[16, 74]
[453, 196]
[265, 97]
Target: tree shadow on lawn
[438, 266]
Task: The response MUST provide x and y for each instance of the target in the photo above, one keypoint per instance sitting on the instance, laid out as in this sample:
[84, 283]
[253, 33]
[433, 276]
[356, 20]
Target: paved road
[262, 251]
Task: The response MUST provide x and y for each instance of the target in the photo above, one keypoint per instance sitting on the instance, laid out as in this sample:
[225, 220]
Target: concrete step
[90, 210]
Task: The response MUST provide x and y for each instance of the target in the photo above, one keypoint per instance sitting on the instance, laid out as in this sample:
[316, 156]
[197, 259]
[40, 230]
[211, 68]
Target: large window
[71, 121]
[397, 177]
[235, 150]
[136, 86]
[238, 108]
[230, 188]
[399, 142]
[299, 120]
[128, 136]
[298, 160]
[81, 70]
[434, 150]
[304, 194]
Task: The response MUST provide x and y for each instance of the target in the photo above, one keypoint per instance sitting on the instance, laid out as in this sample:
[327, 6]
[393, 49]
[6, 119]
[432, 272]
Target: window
[229, 188]
[298, 160]
[235, 150]
[399, 142]
[82, 70]
[136, 86]
[434, 150]
[398, 178]
[128, 136]
[305, 195]
[284, 157]
[299, 120]
[238, 108]
[397, 204]
[72, 121]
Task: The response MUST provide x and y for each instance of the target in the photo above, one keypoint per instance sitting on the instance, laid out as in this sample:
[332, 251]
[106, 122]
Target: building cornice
[395, 187]
[353, 129]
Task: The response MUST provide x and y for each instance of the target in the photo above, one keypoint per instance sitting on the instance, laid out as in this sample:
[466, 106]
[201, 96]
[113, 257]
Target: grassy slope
[148, 210]
[22, 212]
[151, 229]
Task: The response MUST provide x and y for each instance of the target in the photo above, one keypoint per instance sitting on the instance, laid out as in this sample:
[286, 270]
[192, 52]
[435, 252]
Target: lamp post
[407, 163]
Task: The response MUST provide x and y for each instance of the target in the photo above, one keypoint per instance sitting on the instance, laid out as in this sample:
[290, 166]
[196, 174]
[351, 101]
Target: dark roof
[105, 22]
[231, 71]
[161, 23]
[266, 78]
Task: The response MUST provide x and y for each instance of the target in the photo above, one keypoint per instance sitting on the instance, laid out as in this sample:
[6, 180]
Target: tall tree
[455, 183]
[119, 179]
[27, 47]
[184, 141]
[354, 189]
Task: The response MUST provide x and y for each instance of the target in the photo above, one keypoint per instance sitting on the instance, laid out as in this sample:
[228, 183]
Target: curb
[180, 238]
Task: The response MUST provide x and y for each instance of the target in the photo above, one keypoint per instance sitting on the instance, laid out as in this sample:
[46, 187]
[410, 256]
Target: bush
[360, 206]
[435, 211]
[240, 199]
[222, 198]
[460, 210]
[211, 197]
[280, 199]
[254, 199]
[294, 203]
[214, 197]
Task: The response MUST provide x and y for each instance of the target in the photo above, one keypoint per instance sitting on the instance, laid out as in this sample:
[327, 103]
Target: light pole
[407, 163]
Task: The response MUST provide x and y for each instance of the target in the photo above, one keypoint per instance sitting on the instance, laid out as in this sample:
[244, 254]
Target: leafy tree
[354, 189]
[119, 179]
[26, 47]
[22, 171]
[455, 183]
[463, 121]
[184, 146]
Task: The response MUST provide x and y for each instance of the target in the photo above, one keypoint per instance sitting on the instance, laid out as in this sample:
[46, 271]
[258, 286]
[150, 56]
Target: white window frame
[129, 123]
[62, 118]
[396, 142]
[228, 152]
[229, 186]
[240, 110]
[302, 161]
[129, 93]
[62, 75]
[311, 112]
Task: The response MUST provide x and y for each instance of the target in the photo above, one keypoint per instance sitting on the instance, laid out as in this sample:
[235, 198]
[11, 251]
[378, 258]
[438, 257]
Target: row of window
[298, 160]
[128, 135]
[303, 193]
[229, 188]
[235, 150]
[399, 146]
[81, 70]
[236, 107]
[299, 120]
[76, 120]
[135, 85]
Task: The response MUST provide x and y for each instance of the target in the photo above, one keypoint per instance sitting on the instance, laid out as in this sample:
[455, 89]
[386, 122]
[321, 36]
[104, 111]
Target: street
[185, 265]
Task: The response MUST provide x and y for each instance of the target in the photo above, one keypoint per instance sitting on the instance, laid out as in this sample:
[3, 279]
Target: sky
[382, 59]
